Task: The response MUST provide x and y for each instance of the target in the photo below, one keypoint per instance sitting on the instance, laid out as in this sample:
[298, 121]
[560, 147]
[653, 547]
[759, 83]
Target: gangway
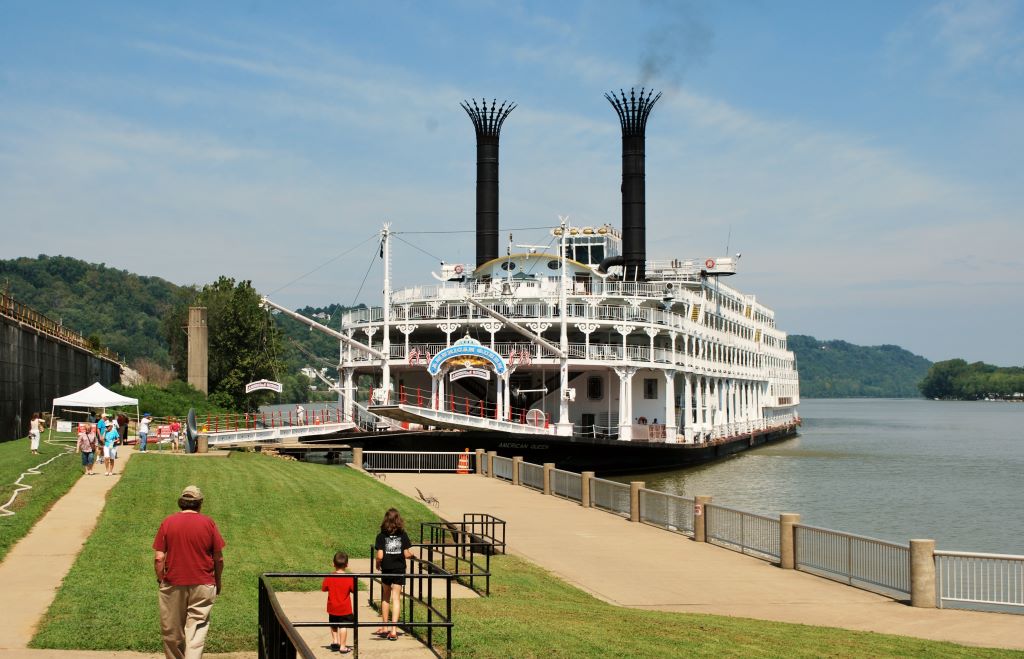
[275, 434]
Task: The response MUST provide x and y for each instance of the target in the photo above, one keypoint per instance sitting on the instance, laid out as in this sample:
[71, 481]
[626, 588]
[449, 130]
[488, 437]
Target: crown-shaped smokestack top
[633, 112]
[487, 121]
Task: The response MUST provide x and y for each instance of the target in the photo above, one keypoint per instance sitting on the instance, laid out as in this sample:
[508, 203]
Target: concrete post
[585, 487]
[548, 466]
[699, 515]
[922, 573]
[357, 457]
[787, 540]
[516, 461]
[480, 461]
[634, 500]
[198, 362]
[490, 463]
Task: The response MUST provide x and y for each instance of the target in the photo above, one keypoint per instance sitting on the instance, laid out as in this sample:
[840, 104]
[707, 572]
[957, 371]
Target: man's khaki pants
[185, 618]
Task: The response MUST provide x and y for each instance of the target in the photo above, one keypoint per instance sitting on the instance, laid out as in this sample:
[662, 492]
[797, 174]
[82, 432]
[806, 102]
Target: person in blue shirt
[111, 439]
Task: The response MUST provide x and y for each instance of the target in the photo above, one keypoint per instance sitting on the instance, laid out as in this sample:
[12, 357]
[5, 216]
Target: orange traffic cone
[463, 463]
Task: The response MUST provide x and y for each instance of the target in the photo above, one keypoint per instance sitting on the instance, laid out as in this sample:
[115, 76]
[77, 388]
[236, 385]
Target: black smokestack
[487, 122]
[633, 113]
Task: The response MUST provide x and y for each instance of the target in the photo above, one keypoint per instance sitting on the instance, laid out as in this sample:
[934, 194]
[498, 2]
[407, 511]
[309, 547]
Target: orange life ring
[458, 269]
[710, 263]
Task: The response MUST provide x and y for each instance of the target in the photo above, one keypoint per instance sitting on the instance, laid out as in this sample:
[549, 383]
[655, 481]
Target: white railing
[980, 581]
[567, 485]
[531, 475]
[745, 532]
[419, 462]
[857, 560]
[610, 496]
[503, 468]
[669, 511]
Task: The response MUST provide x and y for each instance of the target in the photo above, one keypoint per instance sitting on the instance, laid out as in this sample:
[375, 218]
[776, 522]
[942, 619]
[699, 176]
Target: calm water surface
[890, 469]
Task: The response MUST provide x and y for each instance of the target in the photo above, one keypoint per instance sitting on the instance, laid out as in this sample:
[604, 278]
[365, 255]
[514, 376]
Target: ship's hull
[603, 456]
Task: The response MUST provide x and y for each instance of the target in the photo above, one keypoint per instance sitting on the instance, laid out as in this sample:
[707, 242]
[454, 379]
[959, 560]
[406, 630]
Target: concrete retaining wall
[35, 368]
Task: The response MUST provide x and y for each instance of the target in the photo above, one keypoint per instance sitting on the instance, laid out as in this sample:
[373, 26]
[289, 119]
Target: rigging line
[328, 261]
[373, 257]
[471, 230]
[433, 256]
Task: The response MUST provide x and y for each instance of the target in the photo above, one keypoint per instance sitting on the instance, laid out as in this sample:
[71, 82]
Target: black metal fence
[464, 548]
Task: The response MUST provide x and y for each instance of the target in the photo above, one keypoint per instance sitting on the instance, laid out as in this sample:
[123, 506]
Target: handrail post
[585, 479]
[922, 573]
[548, 466]
[787, 540]
[490, 463]
[634, 499]
[480, 461]
[357, 457]
[516, 461]
[700, 504]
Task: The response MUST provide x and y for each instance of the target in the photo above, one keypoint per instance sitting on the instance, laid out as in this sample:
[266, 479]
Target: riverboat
[584, 353]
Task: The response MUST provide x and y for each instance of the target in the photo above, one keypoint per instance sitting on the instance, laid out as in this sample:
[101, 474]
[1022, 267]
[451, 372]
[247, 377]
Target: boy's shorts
[333, 618]
[110, 452]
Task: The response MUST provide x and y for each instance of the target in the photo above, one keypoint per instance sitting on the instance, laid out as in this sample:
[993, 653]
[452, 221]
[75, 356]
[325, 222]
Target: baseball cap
[192, 493]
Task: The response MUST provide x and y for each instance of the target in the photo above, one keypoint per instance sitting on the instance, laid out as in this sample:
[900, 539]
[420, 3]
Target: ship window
[595, 388]
[650, 388]
[596, 253]
[508, 265]
[553, 264]
[582, 254]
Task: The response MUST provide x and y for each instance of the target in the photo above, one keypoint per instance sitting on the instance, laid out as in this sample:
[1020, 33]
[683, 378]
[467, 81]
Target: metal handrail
[609, 495]
[567, 484]
[877, 565]
[531, 475]
[979, 580]
[419, 461]
[749, 533]
[278, 638]
[672, 512]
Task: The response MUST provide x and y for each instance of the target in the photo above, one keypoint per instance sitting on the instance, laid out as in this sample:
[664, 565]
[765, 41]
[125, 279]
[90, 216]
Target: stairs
[695, 313]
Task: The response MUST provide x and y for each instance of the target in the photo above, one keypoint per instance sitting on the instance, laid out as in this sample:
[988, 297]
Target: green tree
[244, 342]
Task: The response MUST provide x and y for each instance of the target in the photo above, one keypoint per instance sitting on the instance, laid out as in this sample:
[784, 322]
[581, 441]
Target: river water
[889, 469]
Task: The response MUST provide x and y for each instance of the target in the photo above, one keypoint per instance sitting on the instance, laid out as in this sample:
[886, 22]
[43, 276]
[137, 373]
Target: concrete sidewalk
[641, 566]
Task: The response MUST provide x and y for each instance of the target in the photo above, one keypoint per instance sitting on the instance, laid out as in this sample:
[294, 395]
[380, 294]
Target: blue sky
[865, 157]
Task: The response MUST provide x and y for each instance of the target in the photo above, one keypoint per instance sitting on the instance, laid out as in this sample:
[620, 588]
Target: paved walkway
[640, 566]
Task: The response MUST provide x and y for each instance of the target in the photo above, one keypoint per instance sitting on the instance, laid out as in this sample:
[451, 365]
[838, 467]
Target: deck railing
[745, 532]
[669, 511]
[980, 581]
[857, 560]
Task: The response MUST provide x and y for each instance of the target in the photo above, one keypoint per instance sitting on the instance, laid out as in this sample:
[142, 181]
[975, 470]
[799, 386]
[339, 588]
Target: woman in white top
[35, 431]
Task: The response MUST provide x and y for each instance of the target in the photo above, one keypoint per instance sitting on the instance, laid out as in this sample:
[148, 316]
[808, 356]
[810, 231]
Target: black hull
[573, 454]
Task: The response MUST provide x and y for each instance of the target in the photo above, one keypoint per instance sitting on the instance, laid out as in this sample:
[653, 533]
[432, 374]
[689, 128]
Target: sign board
[263, 384]
[63, 426]
[466, 348]
[470, 372]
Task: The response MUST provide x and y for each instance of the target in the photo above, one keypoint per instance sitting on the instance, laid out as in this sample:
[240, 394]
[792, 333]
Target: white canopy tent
[94, 396]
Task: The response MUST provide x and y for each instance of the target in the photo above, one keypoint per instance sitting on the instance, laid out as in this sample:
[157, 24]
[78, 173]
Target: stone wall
[35, 368]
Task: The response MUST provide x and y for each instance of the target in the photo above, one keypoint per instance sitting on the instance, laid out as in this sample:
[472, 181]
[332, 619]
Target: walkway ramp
[642, 566]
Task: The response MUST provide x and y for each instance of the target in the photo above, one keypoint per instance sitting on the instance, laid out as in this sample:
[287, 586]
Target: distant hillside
[837, 369]
[123, 311]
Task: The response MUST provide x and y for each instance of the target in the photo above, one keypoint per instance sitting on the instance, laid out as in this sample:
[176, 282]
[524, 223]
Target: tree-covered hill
[122, 310]
[837, 369]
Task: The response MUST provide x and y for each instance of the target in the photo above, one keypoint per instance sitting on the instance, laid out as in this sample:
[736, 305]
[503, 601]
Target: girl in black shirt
[392, 547]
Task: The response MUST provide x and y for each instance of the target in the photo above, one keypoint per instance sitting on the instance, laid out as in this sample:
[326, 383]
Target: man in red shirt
[188, 563]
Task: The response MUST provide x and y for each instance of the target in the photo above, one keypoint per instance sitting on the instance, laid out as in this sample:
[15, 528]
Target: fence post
[490, 463]
[922, 573]
[787, 540]
[634, 500]
[516, 461]
[479, 461]
[548, 466]
[585, 488]
[699, 516]
[357, 457]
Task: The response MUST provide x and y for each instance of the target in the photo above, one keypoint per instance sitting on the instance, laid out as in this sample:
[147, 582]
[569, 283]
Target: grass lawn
[288, 516]
[54, 480]
[275, 515]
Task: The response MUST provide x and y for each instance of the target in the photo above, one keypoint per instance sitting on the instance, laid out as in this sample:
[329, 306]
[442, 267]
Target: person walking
[122, 427]
[35, 432]
[392, 547]
[86, 445]
[144, 431]
[189, 562]
[110, 441]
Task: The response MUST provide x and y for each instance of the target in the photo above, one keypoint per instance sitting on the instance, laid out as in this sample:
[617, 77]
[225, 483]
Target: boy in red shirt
[339, 603]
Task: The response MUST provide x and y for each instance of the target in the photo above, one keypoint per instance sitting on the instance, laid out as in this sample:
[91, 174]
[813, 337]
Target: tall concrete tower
[198, 349]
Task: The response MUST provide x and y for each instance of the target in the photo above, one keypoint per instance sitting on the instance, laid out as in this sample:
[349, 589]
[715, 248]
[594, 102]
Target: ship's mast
[564, 426]
[385, 377]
